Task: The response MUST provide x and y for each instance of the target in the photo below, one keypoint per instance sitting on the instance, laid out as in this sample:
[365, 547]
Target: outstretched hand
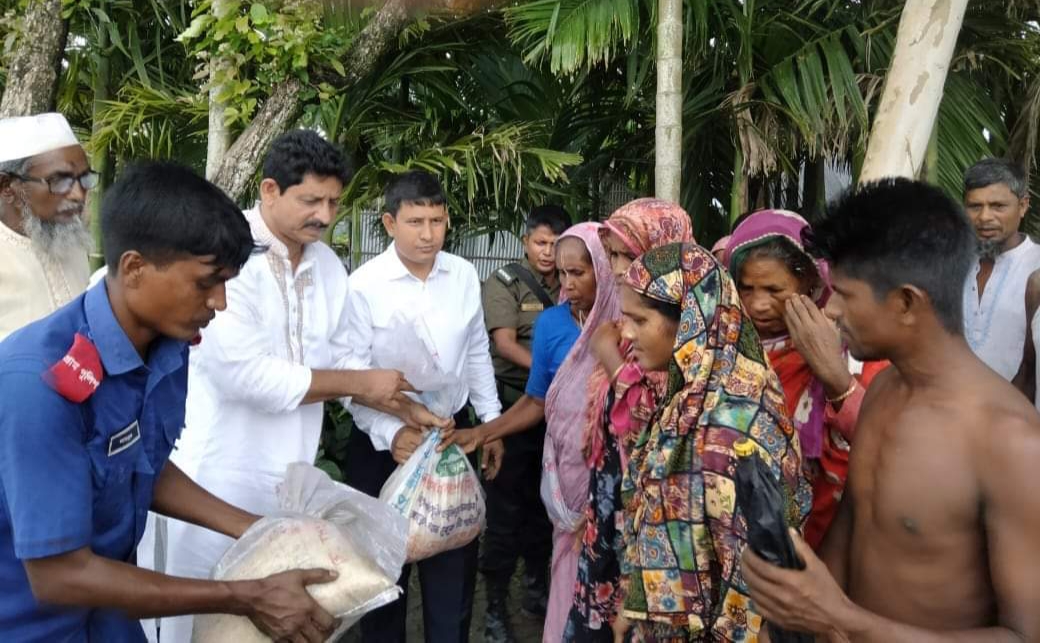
[807, 600]
[491, 459]
[381, 385]
[469, 440]
[418, 415]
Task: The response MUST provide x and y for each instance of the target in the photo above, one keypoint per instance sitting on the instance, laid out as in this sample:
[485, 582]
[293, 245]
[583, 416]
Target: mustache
[71, 208]
[317, 225]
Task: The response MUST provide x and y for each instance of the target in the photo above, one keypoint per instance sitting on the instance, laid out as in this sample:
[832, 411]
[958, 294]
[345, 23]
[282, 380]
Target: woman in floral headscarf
[784, 290]
[621, 398]
[682, 530]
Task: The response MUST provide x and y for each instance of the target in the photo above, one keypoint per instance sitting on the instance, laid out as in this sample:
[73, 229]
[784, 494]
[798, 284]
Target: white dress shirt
[995, 327]
[449, 303]
[244, 420]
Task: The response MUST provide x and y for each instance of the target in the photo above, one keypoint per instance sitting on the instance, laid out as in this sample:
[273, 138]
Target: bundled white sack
[326, 525]
[440, 495]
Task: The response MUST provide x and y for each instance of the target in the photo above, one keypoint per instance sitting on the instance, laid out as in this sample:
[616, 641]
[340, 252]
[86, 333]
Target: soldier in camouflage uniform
[517, 525]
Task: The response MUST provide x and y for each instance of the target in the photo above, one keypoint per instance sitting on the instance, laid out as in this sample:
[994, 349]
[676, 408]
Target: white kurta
[995, 326]
[33, 285]
[245, 422]
[450, 305]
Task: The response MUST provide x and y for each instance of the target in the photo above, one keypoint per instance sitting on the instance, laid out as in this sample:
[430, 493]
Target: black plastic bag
[761, 500]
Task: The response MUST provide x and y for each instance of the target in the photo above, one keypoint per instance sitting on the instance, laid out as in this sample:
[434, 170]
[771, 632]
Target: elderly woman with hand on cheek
[785, 292]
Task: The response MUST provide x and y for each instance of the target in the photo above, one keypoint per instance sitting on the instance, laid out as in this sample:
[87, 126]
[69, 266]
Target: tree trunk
[100, 158]
[283, 107]
[913, 88]
[218, 137]
[32, 77]
[738, 193]
[668, 131]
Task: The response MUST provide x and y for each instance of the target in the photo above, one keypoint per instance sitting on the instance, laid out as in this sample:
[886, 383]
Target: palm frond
[572, 34]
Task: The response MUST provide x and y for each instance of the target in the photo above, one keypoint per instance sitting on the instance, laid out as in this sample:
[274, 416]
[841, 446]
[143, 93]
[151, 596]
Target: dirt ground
[527, 630]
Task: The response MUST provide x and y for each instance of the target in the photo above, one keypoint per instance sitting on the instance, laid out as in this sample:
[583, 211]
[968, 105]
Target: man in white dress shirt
[414, 277]
[996, 198]
[44, 240]
[265, 365]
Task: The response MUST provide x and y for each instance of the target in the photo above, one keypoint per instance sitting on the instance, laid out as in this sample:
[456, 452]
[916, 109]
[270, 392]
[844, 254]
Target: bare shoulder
[1033, 292]
[1008, 443]
[881, 390]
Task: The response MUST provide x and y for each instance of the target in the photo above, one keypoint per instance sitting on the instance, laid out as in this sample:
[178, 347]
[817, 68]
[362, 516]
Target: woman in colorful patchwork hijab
[683, 533]
[784, 290]
[621, 398]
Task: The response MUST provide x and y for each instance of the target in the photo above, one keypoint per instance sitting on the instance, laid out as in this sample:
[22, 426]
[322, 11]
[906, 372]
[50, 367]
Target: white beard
[57, 239]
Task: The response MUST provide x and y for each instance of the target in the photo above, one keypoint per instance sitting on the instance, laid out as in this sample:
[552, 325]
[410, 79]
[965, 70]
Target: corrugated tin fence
[486, 252]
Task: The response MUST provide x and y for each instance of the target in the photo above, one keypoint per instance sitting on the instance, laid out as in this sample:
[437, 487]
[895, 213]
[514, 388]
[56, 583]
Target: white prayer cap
[25, 136]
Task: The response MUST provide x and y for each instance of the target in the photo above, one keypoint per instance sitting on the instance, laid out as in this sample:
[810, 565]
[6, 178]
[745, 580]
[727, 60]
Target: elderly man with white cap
[44, 240]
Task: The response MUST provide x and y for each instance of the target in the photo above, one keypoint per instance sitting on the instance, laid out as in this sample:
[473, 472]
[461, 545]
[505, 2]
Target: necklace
[580, 315]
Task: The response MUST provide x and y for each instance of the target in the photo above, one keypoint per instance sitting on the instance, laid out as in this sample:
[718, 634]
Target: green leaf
[258, 13]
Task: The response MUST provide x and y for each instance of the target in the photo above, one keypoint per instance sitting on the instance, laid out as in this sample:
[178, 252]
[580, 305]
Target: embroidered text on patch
[78, 374]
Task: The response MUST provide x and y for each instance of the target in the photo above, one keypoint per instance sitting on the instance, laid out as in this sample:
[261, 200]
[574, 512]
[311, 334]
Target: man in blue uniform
[91, 403]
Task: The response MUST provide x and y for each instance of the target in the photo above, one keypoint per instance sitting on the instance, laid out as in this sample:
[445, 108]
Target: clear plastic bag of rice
[440, 495]
[325, 525]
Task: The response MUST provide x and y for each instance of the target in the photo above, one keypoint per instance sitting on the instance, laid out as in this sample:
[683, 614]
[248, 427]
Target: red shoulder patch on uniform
[77, 375]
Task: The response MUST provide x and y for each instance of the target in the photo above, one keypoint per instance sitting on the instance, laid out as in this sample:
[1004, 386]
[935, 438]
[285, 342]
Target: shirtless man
[938, 535]
[1025, 380]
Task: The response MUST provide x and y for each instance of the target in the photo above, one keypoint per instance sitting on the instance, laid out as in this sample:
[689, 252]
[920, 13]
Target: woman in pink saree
[565, 474]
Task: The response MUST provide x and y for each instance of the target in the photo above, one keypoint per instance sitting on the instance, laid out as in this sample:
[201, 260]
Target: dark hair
[550, 216]
[897, 231]
[783, 250]
[992, 171]
[670, 310]
[415, 187]
[165, 211]
[300, 152]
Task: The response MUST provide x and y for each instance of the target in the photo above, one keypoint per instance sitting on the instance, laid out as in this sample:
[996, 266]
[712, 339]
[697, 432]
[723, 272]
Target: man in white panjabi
[44, 239]
[996, 198]
[264, 366]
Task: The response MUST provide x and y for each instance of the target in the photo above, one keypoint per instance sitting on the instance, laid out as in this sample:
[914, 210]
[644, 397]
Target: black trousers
[517, 525]
[447, 580]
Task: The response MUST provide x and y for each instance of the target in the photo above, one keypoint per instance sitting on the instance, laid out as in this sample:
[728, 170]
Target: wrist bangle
[844, 396]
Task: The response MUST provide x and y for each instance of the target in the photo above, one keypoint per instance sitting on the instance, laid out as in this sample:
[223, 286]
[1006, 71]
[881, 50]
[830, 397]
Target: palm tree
[775, 90]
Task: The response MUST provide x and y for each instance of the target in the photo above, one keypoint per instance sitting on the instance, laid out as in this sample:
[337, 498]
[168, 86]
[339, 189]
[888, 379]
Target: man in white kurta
[44, 240]
[265, 364]
[996, 198]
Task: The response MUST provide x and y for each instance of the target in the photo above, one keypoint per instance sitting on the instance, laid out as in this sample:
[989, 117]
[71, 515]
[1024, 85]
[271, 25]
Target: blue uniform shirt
[554, 334]
[80, 475]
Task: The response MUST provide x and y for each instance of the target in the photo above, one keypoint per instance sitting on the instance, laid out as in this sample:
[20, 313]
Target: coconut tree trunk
[668, 131]
[32, 76]
[913, 88]
[281, 110]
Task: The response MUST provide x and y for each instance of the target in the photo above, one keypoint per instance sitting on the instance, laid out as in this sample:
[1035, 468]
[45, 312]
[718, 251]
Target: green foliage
[246, 47]
[335, 437]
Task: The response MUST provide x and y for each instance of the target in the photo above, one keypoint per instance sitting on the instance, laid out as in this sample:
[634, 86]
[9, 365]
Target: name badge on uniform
[536, 307]
[124, 439]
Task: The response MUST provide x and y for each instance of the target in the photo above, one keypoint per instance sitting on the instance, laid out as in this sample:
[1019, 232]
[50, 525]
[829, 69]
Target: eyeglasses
[61, 184]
